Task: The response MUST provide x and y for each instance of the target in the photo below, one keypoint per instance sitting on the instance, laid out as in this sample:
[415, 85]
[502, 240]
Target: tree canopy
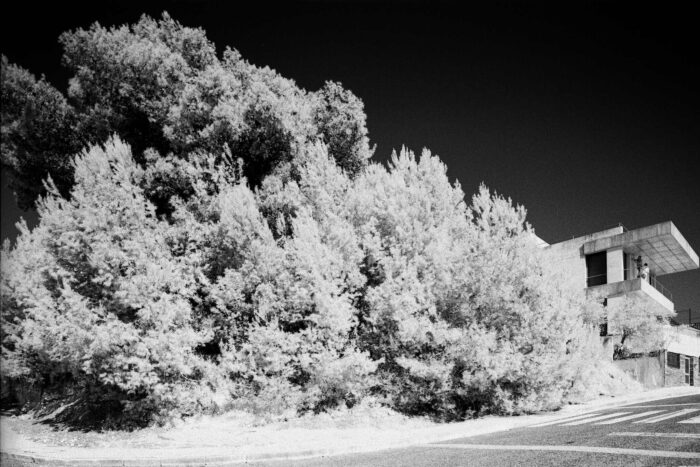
[162, 88]
[212, 237]
[639, 325]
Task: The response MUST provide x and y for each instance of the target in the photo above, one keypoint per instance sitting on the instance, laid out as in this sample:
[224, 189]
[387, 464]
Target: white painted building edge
[682, 340]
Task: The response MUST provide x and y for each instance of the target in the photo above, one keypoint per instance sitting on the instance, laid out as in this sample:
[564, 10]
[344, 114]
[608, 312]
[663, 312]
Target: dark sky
[588, 114]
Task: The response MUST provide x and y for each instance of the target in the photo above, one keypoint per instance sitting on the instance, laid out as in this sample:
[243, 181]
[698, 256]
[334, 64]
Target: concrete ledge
[637, 289]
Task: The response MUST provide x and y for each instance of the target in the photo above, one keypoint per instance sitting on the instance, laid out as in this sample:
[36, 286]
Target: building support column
[616, 265]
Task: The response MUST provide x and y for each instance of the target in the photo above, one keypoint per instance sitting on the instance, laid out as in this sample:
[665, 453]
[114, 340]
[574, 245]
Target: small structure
[606, 264]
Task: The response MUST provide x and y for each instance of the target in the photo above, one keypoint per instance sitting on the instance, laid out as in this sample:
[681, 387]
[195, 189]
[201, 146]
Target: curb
[646, 396]
[9, 459]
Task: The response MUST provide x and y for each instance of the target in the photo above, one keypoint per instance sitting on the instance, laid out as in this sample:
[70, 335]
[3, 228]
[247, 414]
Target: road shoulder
[287, 443]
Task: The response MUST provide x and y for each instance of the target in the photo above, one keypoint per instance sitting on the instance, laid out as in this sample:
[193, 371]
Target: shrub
[104, 302]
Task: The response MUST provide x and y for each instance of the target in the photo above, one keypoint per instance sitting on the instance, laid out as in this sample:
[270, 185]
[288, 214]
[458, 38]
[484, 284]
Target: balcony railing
[601, 279]
[660, 287]
[598, 279]
[632, 274]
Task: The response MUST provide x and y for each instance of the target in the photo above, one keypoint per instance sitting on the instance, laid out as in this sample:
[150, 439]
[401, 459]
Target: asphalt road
[663, 432]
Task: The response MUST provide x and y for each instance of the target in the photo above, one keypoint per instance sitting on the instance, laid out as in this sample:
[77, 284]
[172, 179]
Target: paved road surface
[663, 432]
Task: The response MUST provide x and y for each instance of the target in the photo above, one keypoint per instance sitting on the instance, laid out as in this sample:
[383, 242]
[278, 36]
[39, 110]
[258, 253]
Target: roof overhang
[660, 245]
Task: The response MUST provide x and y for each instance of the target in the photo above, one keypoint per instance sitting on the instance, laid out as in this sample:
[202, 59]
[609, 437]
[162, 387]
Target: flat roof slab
[660, 245]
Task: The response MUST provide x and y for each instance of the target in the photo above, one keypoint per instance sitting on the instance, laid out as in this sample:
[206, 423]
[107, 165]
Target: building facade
[616, 264]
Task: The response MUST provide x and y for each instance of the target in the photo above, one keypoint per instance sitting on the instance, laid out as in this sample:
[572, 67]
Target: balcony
[638, 289]
[602, 279]
[654, 282]
[612, 268]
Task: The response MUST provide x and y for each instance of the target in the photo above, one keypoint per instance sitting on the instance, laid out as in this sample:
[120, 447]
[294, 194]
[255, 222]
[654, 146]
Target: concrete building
[606, 264]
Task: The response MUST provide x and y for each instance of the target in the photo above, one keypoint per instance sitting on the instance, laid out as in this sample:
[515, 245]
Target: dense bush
[233, 248]
[387, 283]
[104, 303]
[463, 309]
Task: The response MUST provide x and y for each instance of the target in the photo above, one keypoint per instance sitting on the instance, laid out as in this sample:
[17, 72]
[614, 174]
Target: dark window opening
[673, 360]
[597, 269]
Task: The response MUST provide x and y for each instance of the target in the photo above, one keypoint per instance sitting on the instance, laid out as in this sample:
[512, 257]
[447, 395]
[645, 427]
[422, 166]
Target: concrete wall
[638, 290]
[568, 255]
[616, 265]
[654, 372]
[676, 376]
[647, 370]
[682, 339]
